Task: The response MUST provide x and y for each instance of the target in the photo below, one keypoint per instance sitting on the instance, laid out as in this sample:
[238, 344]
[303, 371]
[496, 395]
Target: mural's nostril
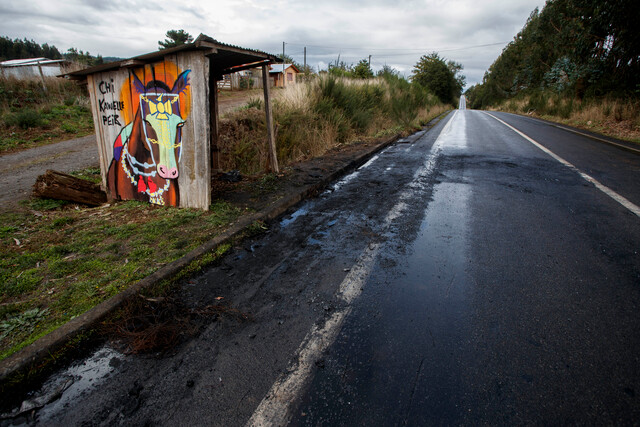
[167, 173]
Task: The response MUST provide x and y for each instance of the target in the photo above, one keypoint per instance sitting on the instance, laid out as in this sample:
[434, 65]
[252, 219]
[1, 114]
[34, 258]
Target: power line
[400, 49]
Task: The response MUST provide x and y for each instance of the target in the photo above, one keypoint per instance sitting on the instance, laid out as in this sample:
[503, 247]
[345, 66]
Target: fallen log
[58, 185]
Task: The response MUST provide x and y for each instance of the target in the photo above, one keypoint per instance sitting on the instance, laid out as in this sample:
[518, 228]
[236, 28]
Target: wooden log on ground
[58, 185]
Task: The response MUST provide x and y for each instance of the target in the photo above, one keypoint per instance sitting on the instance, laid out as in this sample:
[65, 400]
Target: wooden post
[267, 108]
[44, 85]
[213, 118]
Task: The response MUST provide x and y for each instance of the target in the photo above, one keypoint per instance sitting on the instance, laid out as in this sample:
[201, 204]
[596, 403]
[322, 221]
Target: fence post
[267, 108]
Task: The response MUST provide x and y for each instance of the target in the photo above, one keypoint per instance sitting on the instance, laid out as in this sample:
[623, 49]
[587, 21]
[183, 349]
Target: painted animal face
[162, 122]
[163, 131]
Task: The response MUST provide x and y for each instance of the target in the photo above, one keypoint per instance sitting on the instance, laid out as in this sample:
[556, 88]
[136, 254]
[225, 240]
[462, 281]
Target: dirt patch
[255, 192]
[18, 171]
[229, 101]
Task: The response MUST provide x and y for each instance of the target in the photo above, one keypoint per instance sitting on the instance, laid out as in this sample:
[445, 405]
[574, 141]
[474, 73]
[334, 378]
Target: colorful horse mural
[147, 151]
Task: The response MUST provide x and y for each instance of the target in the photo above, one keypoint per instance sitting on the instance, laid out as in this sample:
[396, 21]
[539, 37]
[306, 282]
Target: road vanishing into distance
[483, 272]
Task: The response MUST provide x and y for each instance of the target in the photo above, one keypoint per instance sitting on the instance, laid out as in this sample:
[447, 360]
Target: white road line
[606, 190]
[274, 410]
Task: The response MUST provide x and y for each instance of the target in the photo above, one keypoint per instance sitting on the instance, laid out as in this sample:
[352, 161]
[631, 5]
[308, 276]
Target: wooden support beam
[44, 85]
[213, 119]
[273, 157]
[237, 68]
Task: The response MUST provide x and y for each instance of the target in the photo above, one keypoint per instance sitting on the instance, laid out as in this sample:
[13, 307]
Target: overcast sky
[393, 32]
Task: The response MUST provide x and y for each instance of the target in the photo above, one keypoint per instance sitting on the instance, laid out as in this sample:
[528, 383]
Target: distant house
[290, 71]
[32, 68]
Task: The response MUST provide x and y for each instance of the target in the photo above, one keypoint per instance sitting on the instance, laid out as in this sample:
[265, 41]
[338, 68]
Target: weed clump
[158, 324]
[25, 119]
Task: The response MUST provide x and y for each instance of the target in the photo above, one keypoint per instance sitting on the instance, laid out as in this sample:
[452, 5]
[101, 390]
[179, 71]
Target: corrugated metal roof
[29, 62]
[278, 68]
[227, 56]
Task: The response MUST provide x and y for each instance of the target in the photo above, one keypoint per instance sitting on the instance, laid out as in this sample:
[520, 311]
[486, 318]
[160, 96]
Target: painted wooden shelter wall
[152, 128]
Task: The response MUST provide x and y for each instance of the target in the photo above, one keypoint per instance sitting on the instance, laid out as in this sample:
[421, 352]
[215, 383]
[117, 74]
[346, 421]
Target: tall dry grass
[614, 117]
[16, 95]
[313, 117]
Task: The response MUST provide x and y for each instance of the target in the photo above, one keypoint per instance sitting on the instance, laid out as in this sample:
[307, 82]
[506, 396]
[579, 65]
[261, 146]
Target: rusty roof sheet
[226, 55]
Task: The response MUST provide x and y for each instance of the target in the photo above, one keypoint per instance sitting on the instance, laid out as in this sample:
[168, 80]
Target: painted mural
[152, 109]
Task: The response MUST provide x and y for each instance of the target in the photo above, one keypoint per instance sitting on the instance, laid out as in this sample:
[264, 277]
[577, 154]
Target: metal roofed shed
[279, 72]
[32, 68]
[156, 120]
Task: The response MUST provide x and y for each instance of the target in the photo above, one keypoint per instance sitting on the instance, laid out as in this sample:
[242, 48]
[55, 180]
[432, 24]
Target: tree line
[579, 48]
[24, 49]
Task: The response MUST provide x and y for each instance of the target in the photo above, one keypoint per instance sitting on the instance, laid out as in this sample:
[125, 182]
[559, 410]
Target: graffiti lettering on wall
[108, 108]
[147, 152]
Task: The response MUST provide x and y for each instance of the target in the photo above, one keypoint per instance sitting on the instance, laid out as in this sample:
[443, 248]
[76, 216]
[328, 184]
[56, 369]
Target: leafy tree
[287, 59]
[175, 38]
[340, 68]
[82, 57]
[461, 80]
[362, 70]
[387, 71]
[580, 47]
[439, 77]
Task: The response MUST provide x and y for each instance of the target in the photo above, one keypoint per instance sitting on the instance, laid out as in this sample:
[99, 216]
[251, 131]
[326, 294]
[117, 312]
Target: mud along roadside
[301, 181]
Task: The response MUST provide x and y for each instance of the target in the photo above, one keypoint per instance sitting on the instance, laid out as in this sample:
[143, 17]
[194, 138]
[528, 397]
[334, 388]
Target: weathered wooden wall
[117, 87]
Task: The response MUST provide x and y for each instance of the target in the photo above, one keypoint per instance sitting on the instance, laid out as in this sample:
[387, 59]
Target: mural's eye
[180, 124]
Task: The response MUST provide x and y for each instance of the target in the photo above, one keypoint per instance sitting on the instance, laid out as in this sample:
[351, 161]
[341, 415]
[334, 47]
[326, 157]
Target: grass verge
[59, 260]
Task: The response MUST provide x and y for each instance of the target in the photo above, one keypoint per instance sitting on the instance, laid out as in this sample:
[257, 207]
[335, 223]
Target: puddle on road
[70, 384]
[344, 181]
[302, 211]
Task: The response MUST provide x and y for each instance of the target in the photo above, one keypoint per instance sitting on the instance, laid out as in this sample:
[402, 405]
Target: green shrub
[255, 103]
[69, 128]
[25, 119]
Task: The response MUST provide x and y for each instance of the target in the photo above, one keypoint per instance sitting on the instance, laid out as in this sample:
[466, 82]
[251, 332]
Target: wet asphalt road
[465, 277]
[516, 303]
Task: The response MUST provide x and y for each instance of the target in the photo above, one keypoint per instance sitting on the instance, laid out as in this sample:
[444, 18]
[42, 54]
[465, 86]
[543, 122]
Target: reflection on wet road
[498, 308]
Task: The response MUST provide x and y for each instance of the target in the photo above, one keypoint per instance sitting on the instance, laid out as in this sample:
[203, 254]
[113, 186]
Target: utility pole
[283, 76]
[305, 59]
